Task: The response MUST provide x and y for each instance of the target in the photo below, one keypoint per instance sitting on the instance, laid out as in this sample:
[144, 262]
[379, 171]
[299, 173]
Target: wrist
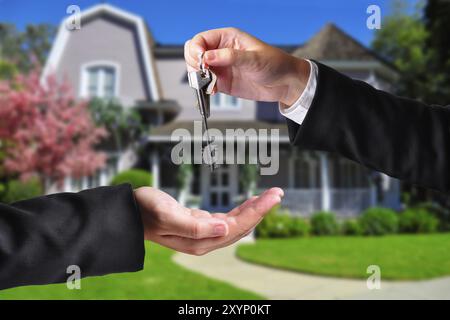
[296, 81]
[139, 194]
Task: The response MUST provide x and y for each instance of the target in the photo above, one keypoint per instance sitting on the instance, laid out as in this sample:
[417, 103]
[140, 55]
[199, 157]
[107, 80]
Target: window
[99, 80]
[224, 102]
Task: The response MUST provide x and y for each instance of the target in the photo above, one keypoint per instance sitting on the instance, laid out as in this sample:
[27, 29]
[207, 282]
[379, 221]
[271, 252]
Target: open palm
[197, 231]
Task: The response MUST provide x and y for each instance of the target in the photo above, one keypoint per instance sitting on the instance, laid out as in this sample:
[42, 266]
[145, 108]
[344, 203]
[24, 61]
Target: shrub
[136, 177]
[17, 190]
[299, 227]
[280, 224]
[351, 228]
[379, 221]
[274, 225]
[324, 223]
[416, 220]
[440, 212]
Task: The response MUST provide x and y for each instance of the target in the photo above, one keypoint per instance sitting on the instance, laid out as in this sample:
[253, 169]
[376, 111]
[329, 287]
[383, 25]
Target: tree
[417, 44]
[437, 22]
[44, 131]
[122, 125]
[28, 47]
[402, 40]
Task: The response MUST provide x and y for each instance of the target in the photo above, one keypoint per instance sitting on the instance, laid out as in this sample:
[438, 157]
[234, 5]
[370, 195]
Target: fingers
[241, 221]
[247, 217]
[270, 194]
[199, 232]
[229, 57]
[243, 205]
[200, 213]
[189, 246]
[209, 40]
[192, 62]
[214, 39]
[193, 227]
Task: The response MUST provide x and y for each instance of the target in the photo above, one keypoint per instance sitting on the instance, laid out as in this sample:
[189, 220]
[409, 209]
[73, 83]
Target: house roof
[163, 133]
[145, 42]
[331, 43]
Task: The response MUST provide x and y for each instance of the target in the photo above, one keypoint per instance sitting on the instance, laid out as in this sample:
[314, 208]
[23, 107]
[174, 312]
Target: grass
[160, 279]
[400, 257]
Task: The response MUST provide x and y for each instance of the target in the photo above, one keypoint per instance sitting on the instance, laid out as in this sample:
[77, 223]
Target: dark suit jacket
[403, 138]
[100, 230]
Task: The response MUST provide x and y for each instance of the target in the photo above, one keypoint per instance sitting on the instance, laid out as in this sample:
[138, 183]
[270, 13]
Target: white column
[84, 184]
[103, 177]
[325, 182]
[67, 184]
[155, 168]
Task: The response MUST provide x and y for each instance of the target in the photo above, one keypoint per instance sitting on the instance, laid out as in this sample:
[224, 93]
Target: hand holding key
[247, 67]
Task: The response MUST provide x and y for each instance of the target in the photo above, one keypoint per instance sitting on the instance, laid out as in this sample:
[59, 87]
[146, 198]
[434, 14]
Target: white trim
[223, 105]
[62, 38]
[325, 182]
[83, 92]
[154, 157]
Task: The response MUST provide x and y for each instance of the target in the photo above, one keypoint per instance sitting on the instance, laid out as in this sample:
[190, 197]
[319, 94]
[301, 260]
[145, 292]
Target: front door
[219, 188]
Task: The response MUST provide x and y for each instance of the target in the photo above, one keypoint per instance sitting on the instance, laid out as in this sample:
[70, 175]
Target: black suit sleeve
[100, 230]
[403, 138]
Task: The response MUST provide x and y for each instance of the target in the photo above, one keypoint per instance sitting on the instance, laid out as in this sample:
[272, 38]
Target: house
[113, 55]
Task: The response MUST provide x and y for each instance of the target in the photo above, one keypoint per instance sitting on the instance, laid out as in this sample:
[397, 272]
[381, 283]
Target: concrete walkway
[278, 284]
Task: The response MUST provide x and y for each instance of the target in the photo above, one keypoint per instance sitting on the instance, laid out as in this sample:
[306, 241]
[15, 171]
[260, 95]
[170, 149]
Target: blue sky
[174, 21]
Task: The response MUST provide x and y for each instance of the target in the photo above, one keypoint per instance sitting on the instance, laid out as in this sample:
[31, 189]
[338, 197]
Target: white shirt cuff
[297, 112]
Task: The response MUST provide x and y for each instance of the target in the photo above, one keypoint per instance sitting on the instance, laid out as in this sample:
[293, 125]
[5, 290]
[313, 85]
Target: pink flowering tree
[45, 131]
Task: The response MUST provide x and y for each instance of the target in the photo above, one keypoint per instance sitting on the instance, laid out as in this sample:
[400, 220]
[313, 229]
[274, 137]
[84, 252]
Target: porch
[312, 180]
[344, 202]
[325, 183]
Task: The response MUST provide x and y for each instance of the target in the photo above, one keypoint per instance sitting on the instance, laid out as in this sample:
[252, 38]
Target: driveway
[278, 284]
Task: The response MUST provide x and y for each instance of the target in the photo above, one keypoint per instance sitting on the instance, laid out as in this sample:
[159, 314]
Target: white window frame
[84, 78]
[222, 103]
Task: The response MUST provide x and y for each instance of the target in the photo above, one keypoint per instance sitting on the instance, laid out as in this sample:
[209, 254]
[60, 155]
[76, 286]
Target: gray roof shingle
[332, 43]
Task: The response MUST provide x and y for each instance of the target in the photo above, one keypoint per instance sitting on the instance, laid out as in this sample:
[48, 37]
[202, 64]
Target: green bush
[351, 227]
[17, 190]
[440, 212]
[299, 227]
[324, 223]
[136, 177]
[379, 221]
[416, 220]
[280, 224]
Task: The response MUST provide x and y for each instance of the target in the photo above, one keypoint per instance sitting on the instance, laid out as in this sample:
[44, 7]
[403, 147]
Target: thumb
[227, 57]
[198, 227]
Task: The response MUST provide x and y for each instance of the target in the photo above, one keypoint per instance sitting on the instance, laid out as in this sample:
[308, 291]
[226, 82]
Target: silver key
[203, 81]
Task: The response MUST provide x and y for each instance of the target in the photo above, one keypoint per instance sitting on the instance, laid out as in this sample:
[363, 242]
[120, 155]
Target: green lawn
[161, 279]
[400, 257]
